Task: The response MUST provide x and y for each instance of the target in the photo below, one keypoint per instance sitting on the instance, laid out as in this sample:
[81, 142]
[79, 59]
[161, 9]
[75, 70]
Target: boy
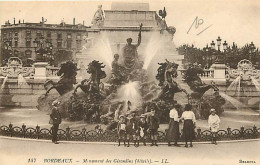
[136, 132]
[153, 122]
[143, 125]
[129, 127]
[121, 129]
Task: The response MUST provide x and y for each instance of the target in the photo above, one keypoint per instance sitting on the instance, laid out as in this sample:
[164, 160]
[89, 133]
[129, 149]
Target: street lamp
[212, 45]
[225, 48]
[251, 50]
[218, 58]
[219, 42]
[225, 45]
[44, 52]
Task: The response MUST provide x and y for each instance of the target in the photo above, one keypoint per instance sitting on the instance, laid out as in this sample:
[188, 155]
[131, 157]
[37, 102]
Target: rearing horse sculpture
[68, 72]
[166, 74]
[93, 86]
[191, 77]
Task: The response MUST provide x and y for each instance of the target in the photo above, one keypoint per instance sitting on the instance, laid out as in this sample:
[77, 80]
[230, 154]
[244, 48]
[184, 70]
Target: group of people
[189, 125]
[148, 126]
[130, 126]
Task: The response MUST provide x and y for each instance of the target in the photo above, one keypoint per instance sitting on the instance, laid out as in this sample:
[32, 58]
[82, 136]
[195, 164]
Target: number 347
[31, 160]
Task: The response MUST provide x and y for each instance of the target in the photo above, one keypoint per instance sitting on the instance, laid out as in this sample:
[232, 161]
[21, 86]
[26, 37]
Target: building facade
[40, 41]
[106, 36]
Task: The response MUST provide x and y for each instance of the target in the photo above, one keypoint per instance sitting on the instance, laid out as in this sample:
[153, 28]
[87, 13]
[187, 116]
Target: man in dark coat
[153, 122]
[55, 120]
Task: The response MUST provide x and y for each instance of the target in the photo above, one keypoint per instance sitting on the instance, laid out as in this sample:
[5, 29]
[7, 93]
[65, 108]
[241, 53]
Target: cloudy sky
[233, 20]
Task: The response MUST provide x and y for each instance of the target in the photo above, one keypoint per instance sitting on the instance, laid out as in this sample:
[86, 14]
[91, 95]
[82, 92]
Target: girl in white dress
[213, 122]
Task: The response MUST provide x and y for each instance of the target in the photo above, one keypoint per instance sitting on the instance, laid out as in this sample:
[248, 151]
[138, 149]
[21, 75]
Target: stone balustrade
[208, 73]
[52, 71]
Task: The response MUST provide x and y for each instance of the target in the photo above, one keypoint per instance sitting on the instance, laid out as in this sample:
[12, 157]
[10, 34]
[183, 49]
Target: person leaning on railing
[55, 120]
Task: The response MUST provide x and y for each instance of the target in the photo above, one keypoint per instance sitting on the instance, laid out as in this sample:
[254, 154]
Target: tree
[61, 56]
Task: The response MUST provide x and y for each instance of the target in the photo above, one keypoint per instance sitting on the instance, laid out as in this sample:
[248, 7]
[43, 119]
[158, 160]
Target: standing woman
[189, 125]
[55, 119]
[213, 122]
[173, 133]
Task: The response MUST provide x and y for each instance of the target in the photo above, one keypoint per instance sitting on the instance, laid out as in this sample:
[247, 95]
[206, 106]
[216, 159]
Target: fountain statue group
[105, 101]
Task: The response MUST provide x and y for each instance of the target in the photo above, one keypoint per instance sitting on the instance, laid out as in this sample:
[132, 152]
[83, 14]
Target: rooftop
[45, 26]
[124, 6]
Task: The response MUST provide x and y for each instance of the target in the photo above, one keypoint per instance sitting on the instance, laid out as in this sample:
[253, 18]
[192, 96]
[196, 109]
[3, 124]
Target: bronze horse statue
[166, 74]
[68, 72]
[191, 77]
[93, 86]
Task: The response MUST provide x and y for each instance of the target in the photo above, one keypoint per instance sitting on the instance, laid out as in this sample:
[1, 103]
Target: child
[213, 122]
[121, 129]
[143, 125]
[129, 127]
[153, 122]
[136, 132]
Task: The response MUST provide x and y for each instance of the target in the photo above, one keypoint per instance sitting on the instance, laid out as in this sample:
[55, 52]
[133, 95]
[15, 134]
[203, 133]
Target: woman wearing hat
[55, 119]
[121, 129]
[213, 122]
[189, 125]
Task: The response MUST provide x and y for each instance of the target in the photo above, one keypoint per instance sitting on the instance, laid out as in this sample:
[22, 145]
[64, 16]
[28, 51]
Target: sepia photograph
[125, 82]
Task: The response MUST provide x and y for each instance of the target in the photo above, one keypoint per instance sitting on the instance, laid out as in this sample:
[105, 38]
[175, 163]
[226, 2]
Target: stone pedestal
[219, 71]
[40, 70]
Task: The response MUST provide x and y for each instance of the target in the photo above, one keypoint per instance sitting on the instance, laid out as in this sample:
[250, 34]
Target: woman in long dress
[189, 125]
[173, 133]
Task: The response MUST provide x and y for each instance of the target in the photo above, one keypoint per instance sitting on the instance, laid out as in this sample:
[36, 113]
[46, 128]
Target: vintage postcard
[127, 82]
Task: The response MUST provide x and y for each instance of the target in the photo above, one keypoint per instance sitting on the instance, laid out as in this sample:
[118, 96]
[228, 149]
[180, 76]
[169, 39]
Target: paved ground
[32, 117]
[14, 152]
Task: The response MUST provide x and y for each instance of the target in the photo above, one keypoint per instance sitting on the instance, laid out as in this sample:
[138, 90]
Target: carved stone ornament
[244, 69]
[15, 68]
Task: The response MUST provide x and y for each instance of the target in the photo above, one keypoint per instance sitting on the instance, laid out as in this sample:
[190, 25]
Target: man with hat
[213, 122]
[55, 119]
[121, 129]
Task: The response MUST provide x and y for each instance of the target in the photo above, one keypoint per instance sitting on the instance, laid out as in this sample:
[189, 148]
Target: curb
[115, 143]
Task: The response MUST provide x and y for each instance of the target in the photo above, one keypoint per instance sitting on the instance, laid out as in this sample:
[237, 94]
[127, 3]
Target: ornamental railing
[100, 135]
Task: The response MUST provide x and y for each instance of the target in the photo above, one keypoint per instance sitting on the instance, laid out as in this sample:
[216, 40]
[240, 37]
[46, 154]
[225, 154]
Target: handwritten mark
[196, 23]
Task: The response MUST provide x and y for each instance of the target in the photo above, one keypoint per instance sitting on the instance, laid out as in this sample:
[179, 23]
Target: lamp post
[251, 50]
[207, 56]
[219, 58]
[44, 53]
[219, 42]
[225, 49]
